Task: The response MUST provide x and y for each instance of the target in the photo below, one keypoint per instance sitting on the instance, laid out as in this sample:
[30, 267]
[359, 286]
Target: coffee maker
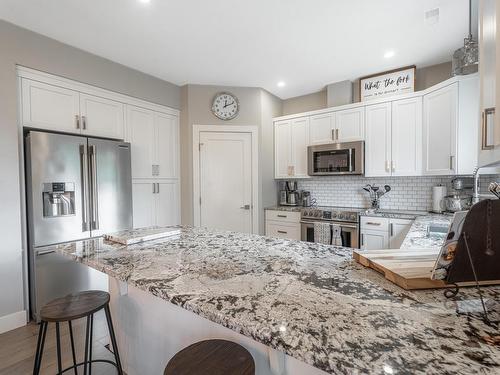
[289, 195]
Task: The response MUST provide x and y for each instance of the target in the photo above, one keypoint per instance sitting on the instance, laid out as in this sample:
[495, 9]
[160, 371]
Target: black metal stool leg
[39, 347]
[70, 326]
[113, 339]
[86, 358]
[58, 343]
[90, 342]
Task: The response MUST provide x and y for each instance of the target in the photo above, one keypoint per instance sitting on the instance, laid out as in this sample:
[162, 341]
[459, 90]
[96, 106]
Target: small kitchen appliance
[336, 159]
[289, 195]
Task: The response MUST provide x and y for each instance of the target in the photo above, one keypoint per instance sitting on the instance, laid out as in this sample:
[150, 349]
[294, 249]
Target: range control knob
[341, 216]
[316, 214]
[334, 215]
[353, 217]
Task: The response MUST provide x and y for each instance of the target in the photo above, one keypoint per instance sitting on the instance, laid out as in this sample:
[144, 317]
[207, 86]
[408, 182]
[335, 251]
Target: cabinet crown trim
[55, 80]
[437, 86]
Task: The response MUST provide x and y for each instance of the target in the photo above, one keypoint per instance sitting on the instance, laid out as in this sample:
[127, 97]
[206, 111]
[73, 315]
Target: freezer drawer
[57, 276]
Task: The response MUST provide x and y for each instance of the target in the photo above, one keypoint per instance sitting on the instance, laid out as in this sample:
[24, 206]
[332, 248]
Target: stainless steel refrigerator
[77, 188]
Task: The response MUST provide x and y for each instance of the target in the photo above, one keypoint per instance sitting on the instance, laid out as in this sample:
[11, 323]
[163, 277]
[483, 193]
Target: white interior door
[226, 181]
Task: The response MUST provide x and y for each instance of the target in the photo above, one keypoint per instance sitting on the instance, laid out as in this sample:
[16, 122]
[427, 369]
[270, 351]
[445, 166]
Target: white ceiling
[305, 43]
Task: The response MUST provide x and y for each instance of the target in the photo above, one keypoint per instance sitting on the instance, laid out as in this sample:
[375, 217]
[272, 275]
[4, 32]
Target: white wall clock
[225, 106]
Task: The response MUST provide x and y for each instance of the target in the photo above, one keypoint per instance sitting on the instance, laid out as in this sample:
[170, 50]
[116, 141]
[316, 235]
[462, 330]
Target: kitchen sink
[438, 230]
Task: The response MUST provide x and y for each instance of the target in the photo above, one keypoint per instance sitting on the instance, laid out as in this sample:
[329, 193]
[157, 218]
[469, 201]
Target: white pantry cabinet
[50, 107]
[341, 126]
[155, 203]
[291, 139]
[154, 139]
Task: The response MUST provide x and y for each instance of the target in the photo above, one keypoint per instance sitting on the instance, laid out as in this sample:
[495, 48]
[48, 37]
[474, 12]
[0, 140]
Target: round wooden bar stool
[67, 309]
[212, 357]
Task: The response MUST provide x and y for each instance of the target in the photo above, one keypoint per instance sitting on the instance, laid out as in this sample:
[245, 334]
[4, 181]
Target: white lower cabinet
[374, 240]
[283, 224]
[382, 233]
[155, 203]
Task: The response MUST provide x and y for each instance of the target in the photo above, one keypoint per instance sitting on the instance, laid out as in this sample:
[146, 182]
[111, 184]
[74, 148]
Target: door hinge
[199, 146]
[200, 200]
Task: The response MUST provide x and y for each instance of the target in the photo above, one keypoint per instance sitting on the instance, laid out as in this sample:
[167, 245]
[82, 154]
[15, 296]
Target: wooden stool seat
[212, 357]
[67, 309]
[74, 306]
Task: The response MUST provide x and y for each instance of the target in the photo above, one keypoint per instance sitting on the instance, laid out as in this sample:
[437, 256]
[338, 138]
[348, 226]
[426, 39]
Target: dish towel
[336, 235]
[322, 233]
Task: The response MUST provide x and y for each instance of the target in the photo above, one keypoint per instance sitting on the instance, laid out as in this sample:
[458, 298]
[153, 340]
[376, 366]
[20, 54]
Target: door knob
[245, 207]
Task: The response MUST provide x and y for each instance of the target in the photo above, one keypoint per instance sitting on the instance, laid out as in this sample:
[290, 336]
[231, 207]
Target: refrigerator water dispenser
[58, 199]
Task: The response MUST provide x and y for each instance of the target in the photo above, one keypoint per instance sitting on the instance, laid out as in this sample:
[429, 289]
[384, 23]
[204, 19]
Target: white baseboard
[13, 321]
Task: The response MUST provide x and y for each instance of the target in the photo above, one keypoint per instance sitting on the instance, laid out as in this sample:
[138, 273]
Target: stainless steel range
[346, 218]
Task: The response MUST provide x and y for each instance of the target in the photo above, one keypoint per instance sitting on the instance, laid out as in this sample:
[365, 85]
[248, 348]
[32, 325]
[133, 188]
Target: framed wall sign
[392, 82]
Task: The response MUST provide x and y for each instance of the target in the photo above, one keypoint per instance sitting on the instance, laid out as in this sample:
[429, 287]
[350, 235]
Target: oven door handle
[342, 224]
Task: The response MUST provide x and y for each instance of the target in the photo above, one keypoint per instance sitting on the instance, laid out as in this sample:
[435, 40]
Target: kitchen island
[309, 301]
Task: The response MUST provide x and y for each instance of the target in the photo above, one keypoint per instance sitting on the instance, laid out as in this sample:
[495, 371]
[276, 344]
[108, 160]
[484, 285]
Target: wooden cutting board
[409, 269]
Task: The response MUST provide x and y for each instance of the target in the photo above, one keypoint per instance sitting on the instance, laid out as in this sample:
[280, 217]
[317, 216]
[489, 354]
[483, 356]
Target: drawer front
[291, 232]
[283, 216]
[374, 223]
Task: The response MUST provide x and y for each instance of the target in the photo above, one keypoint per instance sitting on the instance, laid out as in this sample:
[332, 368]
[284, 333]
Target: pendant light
[466, 59]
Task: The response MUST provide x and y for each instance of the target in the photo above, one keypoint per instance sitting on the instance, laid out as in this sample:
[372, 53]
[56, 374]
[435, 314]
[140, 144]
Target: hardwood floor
[17, 348]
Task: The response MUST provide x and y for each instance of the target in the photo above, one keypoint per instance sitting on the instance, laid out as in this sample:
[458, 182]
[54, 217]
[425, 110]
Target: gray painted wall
[425, 77]
[20, 46]
[257, 108]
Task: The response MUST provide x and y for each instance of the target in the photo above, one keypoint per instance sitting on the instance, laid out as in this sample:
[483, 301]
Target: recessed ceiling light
[144, 1]
[281, 84]
[389, 54]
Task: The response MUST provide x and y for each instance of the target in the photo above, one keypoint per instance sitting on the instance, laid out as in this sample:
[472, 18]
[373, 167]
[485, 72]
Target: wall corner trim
[13, 321]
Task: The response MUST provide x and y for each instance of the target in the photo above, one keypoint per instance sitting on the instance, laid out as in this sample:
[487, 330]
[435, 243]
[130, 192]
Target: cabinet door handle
[451, 161]
[393, 166]
[337, 134]
[387, 166]
[77, 120]
[84, 123]
[391, 228]
[362, 239]
[154, 188]
[157, 188]
[333, 134]
[282, 232]
[282, 216]
[372, 223]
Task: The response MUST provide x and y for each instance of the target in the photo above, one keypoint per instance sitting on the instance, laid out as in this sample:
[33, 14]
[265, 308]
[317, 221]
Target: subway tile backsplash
[408, 193]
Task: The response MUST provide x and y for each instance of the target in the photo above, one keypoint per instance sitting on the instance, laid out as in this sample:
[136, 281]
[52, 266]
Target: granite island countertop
[311, 301]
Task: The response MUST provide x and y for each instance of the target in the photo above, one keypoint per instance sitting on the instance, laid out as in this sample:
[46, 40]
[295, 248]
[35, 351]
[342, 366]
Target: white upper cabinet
[291, 139]
[406, 137]
[141, 133]
[378, 140]
[167, 148]
[440, 121]
[101, 117]
[282, 147]
[322, 129]
[299, 143]
[350, 124]
[49, 107]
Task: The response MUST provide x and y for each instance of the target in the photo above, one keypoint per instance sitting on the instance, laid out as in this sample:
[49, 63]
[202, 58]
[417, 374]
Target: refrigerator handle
[85, 190]
[93, 183]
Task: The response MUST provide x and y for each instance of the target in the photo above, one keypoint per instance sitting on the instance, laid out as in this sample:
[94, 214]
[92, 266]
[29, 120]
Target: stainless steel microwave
[336, 159]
